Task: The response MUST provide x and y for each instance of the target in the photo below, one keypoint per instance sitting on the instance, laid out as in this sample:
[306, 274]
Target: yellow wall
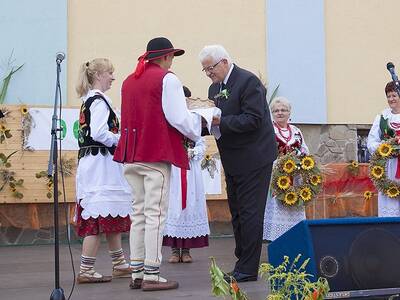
[120, 30]
[361, 37]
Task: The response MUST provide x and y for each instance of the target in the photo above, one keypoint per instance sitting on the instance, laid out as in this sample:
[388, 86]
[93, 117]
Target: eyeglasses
[211, 68]
[280, 110]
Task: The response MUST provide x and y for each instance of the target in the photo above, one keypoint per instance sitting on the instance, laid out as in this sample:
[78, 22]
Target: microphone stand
[395, 79]
[52, 171]
[397, 85]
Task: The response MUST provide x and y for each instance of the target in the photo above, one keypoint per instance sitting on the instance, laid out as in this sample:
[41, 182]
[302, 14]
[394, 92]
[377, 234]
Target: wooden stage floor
[27, 272]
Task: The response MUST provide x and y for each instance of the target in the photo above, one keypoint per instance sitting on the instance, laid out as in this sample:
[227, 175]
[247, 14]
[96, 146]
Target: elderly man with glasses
[246, 143]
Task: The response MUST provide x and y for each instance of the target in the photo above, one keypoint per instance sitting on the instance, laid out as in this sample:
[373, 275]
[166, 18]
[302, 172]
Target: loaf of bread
[194, 103]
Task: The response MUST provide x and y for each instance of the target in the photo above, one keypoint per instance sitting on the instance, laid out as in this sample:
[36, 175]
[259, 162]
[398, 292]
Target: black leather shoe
[242, 277]
[227, 276]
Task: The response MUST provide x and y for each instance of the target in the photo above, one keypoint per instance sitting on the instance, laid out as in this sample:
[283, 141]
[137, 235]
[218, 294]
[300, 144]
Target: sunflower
[49, 185]
[3, 128]
[315, 179]
[307, 163]
[377, 172]
[385, 150]
[305, 193]
[208, 157]
[283, 182]
[289, 166]
[354, 164]
[23, 109]
[290, 198]
[367, 195]
[392, 191]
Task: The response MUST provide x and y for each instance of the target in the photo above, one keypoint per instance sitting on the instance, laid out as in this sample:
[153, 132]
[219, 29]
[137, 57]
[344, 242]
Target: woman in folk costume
[386, 126]
[103, 195]
[279, 218]
[187, 225]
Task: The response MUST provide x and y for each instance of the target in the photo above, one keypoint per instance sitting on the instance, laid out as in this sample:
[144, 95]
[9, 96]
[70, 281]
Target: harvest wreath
[377, 168]
[296, 180]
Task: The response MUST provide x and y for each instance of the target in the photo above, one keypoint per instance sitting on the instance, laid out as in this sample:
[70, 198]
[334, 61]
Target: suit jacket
[247, 139]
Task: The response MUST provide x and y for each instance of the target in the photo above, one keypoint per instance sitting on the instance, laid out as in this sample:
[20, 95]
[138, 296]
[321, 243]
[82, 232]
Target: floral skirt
[96, 226]
[197, 242]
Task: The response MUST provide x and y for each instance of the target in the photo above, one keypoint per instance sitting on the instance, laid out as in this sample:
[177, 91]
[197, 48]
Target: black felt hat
[159, 47]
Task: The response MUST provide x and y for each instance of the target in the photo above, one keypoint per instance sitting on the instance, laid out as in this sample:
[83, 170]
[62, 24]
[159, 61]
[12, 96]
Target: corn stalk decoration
[222, 288]
[288, 281]
[7, 79]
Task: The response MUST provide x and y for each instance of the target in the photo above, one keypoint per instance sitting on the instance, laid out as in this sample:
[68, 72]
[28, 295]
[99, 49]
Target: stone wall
[332, 143]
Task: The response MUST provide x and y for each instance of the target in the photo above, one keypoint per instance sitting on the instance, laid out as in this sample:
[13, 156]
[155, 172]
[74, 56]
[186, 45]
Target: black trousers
[247, 195]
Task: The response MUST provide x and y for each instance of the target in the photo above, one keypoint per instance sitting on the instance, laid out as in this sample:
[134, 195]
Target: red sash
[184, 187]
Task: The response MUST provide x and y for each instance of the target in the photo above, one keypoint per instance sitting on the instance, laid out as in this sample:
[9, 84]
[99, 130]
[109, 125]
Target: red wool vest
[146, 136]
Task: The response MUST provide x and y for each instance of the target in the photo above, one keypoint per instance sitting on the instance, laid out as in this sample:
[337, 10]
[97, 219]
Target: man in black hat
[154, 121]
[246, 143]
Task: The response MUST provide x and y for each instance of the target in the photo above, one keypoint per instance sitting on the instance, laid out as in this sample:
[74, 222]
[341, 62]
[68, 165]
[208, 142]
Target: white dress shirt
[176, 111]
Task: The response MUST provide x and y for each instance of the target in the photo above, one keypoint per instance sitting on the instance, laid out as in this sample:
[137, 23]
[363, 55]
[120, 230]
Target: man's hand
[216, 121]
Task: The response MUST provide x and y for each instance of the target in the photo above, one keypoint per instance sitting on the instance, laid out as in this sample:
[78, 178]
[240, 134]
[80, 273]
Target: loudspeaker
[355, 255]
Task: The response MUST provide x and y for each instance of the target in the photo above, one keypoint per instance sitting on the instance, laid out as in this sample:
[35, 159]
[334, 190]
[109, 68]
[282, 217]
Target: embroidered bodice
[290, 139]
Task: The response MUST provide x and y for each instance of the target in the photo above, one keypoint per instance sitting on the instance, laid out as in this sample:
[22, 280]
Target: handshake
[215, 121]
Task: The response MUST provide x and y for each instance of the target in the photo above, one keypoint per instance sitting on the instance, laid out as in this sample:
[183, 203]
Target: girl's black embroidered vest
[386, 131]
[86, 143]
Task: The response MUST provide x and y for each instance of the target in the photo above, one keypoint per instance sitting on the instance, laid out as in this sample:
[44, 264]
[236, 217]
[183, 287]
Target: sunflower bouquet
[377, 168]
[209, 162]
[296, 180]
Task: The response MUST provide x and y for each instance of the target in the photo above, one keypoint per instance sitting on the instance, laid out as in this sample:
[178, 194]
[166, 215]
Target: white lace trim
[188, 226]
[388, 207]
[279, 218]
[98, 206]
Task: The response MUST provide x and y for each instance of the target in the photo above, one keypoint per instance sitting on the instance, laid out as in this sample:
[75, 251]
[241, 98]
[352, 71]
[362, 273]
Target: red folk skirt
[197, 242]
[96, 226]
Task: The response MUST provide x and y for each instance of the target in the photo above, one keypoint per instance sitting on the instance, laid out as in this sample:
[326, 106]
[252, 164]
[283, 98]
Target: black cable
[65, 199]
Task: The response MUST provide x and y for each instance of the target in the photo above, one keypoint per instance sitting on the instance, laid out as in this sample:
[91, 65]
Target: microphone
[60, 57]
[390, 67]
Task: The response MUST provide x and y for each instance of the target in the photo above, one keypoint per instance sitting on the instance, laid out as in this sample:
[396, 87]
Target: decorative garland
[4, 133]
[296, 180]
[26, 124]
[4, 130]
[377, 166]
[7, 176]
[66, 165]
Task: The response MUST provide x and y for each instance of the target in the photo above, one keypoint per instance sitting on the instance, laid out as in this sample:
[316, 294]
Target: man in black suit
[247, 148]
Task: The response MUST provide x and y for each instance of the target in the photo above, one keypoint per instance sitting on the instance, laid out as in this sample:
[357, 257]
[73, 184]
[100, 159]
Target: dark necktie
[222, 86]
